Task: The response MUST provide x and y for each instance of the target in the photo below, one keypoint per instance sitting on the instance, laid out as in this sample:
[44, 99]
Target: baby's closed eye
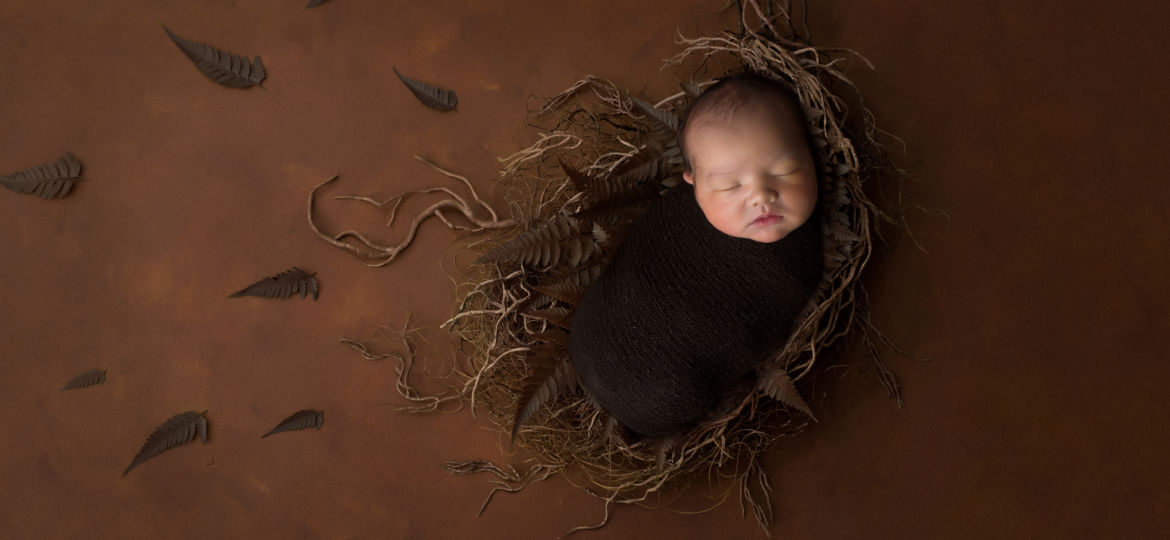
[786, 172]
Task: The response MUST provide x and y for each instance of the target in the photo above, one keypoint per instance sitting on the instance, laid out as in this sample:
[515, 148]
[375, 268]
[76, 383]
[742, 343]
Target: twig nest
[576, 192]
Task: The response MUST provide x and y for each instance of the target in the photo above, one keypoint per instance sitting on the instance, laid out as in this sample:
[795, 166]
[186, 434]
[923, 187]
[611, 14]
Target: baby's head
[747, 154]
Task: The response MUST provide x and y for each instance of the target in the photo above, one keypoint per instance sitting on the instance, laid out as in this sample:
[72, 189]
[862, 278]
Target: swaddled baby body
[711, 278]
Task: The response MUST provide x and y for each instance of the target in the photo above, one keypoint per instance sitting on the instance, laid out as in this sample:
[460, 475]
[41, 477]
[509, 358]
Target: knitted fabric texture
[683, 314]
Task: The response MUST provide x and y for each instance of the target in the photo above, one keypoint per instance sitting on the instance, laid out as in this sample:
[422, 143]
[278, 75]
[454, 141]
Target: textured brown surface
[1043, 298]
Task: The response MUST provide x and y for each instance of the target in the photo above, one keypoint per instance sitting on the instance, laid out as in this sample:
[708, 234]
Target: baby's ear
[687, 176]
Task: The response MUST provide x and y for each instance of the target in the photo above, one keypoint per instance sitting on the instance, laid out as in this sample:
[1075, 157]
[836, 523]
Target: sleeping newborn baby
[710, 279]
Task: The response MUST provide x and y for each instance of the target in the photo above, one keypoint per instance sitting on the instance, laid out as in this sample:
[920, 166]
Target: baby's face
[754, 175]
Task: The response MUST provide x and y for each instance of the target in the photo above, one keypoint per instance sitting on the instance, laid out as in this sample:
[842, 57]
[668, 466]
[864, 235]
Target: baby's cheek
[723, 218]
[733, 224]
[803, 199]
[726, 217]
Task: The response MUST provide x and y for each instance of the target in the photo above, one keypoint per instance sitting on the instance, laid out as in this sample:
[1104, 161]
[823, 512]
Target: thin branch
[375, 254]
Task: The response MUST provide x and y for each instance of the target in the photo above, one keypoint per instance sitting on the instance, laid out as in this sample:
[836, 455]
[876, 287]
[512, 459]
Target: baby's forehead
[774, 114]
[704, 131]
[712, 122]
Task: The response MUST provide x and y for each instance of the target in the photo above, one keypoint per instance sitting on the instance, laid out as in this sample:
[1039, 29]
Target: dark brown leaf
[609, 431]
[599, 235]
[839, 170]
[581, 181]
[665, 118]
[581, 250]
[554, 337]
[439, 99]
[779, 386]
[622, 206]
[222, 67]
[179, 430]
[671, 152]
[282, 285]
[550, 373]
[632, 183]
[580, 276]
[541, 245]
[691, 90]
[299, 420]
[47, 181]
[89, 378]
[565, 292]
[642, 165]
[560, 316]
[662, 447]
[842, 233]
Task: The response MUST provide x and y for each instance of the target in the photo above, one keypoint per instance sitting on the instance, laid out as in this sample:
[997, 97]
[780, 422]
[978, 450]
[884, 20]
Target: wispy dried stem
[374, 254]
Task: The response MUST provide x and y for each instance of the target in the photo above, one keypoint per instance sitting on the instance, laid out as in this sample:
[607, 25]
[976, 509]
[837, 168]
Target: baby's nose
[764, 194]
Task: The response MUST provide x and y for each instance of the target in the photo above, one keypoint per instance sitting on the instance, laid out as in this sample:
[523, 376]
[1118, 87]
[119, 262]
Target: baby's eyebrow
[718, 172]
[788, 153]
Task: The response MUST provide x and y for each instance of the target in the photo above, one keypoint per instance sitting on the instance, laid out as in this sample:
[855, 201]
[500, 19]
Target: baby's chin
[763, 234]
[765, 237]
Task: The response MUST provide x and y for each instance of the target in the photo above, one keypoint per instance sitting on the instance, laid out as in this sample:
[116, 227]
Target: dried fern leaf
[578, 251]
[553, 290]
[315, 3]
[534, 246]
[621, 207]
[282, 285]
[583, 182]
[632, 184]
[644, 165]
[691, 90]
[616, 217]
[299, 420]
[581, 277]
[841, 232]
[89, 378]
[565, 292]
[179, 430]
[599, 234]
[551, 374]
[672, 154]
[838, 198]
[554, 337]
[222, 67]
[834, 259]
[439, 99]
[46, 181]
[779, 386]
[609, 431]
[664, 118]
[661, 449]
[839, 170]
[560, 316]
[550, 254]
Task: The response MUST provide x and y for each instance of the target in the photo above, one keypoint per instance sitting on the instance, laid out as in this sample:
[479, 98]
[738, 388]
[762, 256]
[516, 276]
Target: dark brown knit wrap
[684, 312]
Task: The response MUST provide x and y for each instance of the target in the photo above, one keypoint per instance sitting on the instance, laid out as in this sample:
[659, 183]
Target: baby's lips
[767, 219]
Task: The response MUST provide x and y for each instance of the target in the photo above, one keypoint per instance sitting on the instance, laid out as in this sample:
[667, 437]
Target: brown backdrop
[1041, 294]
